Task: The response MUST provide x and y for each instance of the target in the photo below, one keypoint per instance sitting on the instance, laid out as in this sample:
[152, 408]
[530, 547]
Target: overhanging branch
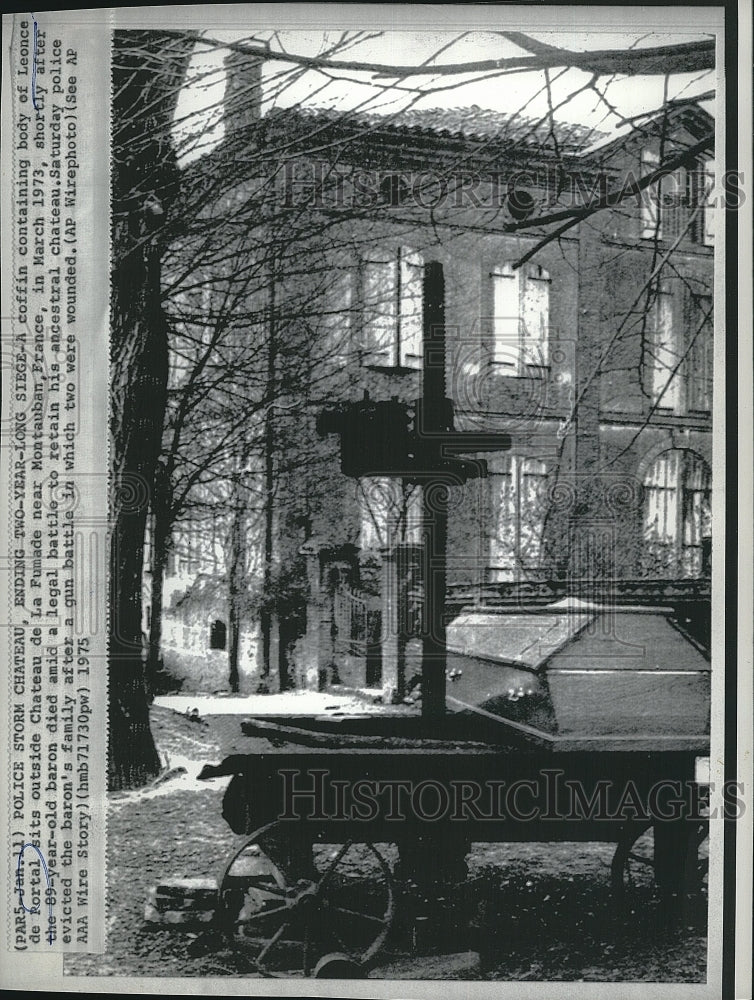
[660, 60]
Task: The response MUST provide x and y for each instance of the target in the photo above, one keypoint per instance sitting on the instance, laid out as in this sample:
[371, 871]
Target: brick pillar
[318, 651]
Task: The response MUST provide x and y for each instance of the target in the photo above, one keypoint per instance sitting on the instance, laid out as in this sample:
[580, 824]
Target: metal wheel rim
[298, 921]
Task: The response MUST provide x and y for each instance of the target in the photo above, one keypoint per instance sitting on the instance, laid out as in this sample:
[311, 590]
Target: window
[665, 203]
[677, 515]
[699, 364]
[679, 353]
[393, 190]
[390, 512]
[669, 206]
[179, 559]
[519, 498]
[650, 197]
[520, 311]
[392, 286]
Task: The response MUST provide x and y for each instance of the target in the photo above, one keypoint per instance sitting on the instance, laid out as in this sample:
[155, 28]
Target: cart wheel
[287, 925]
[671, 861]
[335, 966]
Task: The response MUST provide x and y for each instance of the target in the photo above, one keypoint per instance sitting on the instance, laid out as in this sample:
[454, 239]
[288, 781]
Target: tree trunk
[133, 758]
[159, 561]
[139, 377]
[234, 623]
[148, 69]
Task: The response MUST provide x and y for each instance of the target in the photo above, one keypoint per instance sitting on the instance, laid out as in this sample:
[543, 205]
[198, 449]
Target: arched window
[677, 515]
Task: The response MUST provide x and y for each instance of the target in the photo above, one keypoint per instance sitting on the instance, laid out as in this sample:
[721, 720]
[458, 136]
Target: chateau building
[593, 351]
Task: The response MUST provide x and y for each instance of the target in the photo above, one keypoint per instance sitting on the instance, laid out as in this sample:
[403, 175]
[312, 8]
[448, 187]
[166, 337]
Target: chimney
[243, 91]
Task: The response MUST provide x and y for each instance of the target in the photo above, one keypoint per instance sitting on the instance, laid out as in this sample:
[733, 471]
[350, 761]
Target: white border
[45, 972]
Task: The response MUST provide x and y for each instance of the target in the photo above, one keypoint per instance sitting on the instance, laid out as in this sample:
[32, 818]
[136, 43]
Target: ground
[535, 912]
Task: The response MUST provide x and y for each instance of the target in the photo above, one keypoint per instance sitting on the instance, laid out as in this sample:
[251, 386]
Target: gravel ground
[536, 912]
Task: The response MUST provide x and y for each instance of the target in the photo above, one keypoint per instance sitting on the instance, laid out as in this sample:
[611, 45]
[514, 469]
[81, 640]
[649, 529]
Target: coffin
[580, 676]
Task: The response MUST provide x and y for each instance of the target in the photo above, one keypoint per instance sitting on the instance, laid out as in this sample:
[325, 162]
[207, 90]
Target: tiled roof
[471, 123]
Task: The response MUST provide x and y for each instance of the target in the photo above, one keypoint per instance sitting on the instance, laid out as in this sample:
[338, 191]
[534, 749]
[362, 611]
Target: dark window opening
[393, 190]
[217, 635]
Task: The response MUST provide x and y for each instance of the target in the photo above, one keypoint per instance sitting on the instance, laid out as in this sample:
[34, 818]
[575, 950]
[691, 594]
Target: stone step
[182, 902]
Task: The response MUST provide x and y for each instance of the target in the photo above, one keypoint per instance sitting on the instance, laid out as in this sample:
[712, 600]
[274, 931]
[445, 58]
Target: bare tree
[148, 68]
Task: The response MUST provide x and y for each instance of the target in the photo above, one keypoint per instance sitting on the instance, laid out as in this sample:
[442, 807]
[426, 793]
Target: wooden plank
[458, 728]
[277, 733]
[634, 744]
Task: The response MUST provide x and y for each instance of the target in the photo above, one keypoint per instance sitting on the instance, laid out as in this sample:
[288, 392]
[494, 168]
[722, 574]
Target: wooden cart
[579, 744]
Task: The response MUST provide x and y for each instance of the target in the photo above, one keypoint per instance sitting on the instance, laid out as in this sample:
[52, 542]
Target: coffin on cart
[569, 697]
[575, 676]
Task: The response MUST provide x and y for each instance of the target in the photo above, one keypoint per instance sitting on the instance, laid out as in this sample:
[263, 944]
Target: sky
[525, 92]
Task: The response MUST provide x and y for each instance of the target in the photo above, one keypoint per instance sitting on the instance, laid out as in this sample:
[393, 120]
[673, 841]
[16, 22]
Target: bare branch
[662, 59]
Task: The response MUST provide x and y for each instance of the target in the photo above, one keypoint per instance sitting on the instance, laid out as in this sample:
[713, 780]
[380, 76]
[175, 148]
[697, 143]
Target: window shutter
[506, 347]
[696, 513]
[411, 309]
[661, 497]
[536, 316]
[379, 300]
[674, 204]
[699, 362]
[709, 210]
[650, 197]
[677, 515]
[533, 498]
[663, 351]
[518, 493]
[337, 318]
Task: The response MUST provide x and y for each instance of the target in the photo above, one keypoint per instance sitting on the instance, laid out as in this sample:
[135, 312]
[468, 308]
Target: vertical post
[403, 564]
[325, 644]
[433, 419]
[389, 623]
[314, 617]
